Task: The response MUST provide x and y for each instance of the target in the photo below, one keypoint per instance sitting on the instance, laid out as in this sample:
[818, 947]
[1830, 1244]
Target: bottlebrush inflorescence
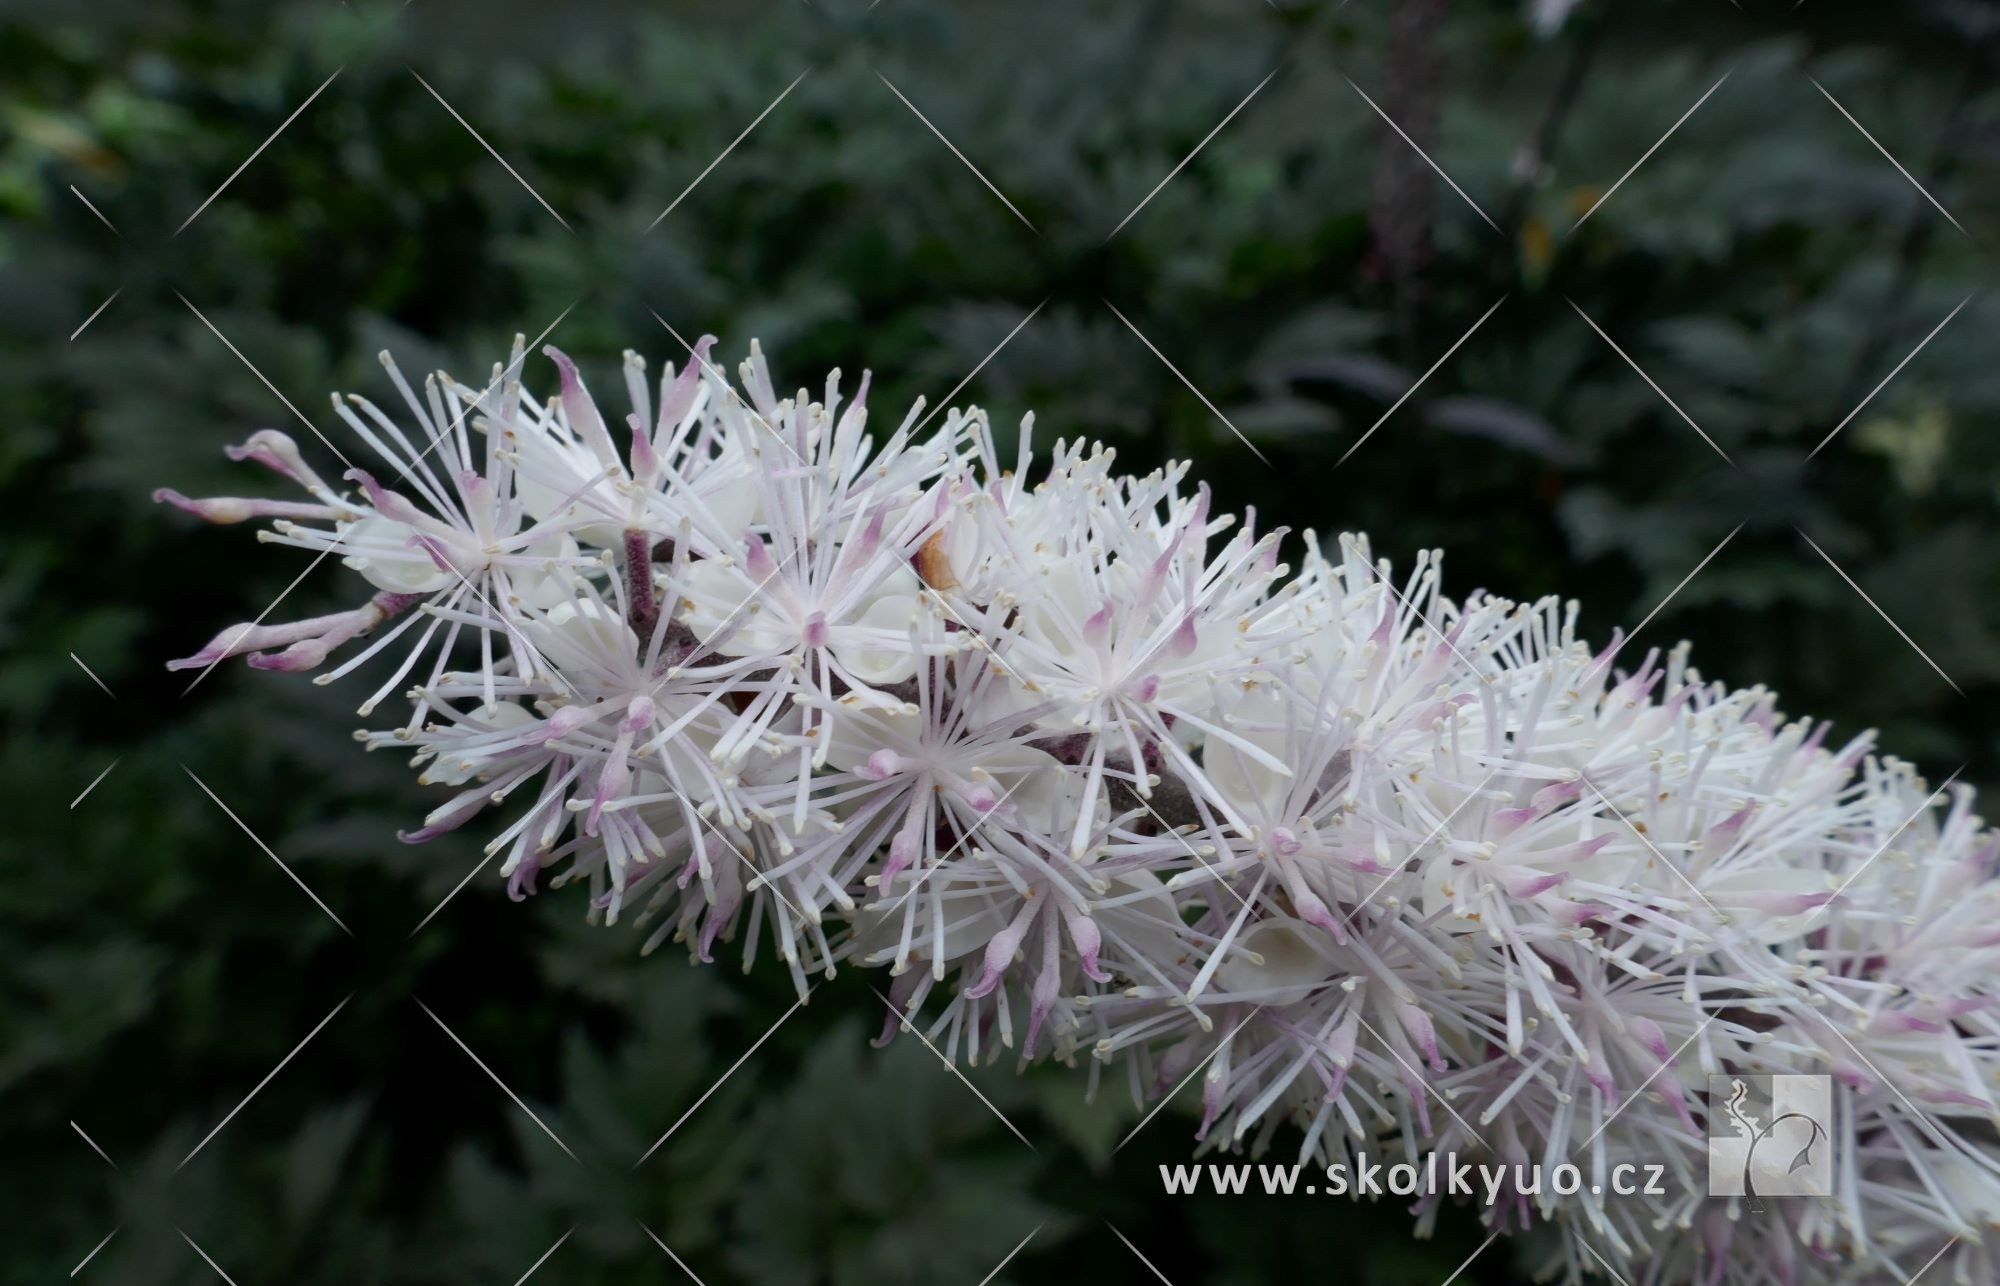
[1099, 778]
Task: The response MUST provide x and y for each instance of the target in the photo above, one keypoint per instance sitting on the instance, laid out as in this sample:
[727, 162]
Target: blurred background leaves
[1767, 267]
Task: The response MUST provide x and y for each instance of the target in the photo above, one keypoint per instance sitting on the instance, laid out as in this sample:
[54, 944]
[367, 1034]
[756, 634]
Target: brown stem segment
[642, 608]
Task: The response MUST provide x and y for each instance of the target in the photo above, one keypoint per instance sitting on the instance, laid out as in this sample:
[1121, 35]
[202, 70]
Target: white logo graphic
[1770, 1136]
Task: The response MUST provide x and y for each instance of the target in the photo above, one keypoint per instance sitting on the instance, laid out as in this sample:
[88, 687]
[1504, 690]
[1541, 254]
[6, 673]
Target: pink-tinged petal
[580, 410]
[561, 724]
[388, 503]
[1314, 911]
[645, 463]
[1083, 931]
[611, 782]
[1421, 1030]
[1213, 1091]
[864, 545]
[1048, 983]
[1527, 884]
[1550, 798]
[521, 884]
[1098, 627]
[1901, 1022]
[902, 851]
[224, 510]
[882, 765]
[1000, 951]
[901, 987]
[252, 637]
[277, 452]
[449, 817]
[1600, 1076]
[1649, 1036]
[1720, 838]
[1184, 640]
[679, 399]
[728, 896]
[305, 655]
[757, 559]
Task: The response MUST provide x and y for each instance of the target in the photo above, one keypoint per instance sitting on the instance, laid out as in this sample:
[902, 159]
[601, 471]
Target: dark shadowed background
[1767, 267]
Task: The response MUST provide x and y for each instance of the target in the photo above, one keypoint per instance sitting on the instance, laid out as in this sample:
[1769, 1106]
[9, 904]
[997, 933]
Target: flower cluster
[1100, 779]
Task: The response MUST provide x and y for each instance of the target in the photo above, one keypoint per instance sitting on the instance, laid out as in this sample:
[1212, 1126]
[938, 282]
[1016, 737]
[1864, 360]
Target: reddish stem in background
[642, 609]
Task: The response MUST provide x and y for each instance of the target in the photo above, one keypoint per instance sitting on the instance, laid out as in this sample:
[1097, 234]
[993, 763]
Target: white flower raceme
[1097, 777]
